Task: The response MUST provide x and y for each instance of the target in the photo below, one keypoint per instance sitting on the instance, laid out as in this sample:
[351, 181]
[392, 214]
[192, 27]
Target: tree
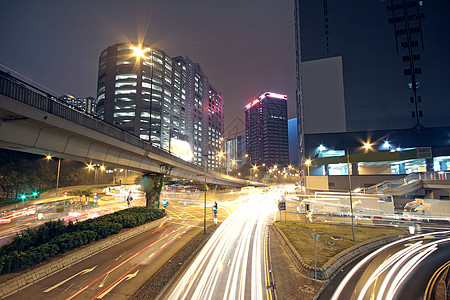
[152, 185]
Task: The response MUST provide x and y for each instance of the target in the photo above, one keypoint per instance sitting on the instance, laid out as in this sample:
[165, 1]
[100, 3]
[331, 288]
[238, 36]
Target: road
[233, 264]
[118, 272]
[405, 269]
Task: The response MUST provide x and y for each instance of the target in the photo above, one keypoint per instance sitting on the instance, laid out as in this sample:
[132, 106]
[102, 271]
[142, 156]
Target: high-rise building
[86, 105]
[266, 129]
[235, 150]
[293, 141]
[373, 71]
[204, 114]
[158, 98]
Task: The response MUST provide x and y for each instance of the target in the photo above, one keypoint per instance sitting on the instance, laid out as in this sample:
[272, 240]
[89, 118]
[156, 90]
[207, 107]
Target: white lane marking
[71, 277]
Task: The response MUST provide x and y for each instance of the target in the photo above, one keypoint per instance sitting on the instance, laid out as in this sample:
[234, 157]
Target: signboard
[180, 148]
[315, 236]
[281, 205]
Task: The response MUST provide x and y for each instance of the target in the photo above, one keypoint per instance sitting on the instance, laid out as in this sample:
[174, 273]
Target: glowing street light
[49, 157]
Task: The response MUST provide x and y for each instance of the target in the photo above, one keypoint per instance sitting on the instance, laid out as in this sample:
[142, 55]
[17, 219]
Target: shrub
[33, 246]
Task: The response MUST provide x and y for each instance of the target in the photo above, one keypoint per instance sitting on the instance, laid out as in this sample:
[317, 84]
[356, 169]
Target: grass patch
[333, 238]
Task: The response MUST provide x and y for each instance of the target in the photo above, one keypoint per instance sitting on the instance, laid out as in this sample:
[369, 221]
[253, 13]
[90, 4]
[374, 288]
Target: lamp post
[307, 163]
[255, 168]
[206, 188]
[139, 52]
[350, 193]
[48, 157]
[220, 155]
[367, 146]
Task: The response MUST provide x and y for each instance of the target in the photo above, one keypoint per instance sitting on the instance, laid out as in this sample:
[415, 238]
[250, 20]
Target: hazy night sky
[245, 47]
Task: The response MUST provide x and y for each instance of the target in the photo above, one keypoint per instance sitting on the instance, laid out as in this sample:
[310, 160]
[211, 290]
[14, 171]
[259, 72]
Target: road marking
[103, 281]
[127, 277]
[64, 281]
[432, 282]
[119, 257]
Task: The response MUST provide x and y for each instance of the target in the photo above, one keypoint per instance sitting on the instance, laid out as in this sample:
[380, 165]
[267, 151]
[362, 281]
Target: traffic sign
[315, 236]
[281, 205]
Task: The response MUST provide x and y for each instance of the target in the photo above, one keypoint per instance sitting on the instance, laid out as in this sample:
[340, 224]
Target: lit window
[126, 76]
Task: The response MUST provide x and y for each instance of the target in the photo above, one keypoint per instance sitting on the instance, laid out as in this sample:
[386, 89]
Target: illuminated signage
[180, 148]
[273, 95]
[266, 94]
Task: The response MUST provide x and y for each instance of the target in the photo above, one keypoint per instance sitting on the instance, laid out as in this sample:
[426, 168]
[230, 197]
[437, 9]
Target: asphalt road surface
[405, 269]
[233, 264]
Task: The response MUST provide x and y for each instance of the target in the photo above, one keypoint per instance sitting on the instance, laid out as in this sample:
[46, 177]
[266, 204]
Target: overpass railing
[21, 91]
[430, 176]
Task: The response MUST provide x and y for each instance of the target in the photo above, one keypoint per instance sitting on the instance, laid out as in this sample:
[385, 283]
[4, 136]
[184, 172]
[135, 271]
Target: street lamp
[255, 168]
[307, 163]
[206, 188]
[139, 52]
[49, 157]
[220, 155]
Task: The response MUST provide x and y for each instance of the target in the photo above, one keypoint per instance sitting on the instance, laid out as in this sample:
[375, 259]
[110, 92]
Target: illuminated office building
[158, 98]
[374, 71]
[266, 129]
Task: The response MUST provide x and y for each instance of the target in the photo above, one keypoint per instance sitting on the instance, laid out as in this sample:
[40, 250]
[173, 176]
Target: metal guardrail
[21, 91]
[431, 176]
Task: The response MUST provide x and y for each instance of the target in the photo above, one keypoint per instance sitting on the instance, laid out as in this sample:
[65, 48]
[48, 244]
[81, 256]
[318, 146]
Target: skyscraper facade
[158, 98]
[86, 105]
[373, 71]
[266, 129]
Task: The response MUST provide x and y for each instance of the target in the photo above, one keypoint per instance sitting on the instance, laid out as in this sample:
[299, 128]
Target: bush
[52, 238]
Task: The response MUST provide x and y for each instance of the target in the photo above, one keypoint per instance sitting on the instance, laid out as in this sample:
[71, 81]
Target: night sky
[245, 47]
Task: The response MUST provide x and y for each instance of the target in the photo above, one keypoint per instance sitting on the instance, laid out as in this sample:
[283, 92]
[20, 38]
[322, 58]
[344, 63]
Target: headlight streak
[394, 269]
[231, 243]
[407, 269]
[120, 264]
[352, 272]
[385, 265]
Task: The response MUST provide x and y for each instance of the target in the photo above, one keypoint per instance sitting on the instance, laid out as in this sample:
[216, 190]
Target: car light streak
[147, 258]
[386, 265]
[388, 279]
[407, 269]
[120, 264]
[240, 241]
[358, 266]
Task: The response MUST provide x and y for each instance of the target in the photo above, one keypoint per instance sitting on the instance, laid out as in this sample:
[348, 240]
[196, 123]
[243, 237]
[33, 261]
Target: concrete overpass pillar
[152, 184]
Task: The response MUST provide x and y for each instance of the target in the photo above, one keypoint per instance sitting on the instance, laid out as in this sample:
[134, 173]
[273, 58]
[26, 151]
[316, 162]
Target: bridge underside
[28, 129]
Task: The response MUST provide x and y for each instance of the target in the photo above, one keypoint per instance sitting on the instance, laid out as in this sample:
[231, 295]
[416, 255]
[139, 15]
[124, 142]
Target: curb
[337, 262]
[46, 269]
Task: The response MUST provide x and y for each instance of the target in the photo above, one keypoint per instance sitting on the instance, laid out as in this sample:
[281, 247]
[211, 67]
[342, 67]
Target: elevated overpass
[411, 183]
[33, 121]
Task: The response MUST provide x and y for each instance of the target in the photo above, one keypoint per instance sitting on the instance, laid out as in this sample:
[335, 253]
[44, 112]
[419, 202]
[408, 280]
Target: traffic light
[307, 206]
[215, 207]
[95, 195]
[165, 203]
[23, 196]
[35, 194]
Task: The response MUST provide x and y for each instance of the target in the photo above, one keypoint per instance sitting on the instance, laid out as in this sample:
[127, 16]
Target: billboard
[180, 148]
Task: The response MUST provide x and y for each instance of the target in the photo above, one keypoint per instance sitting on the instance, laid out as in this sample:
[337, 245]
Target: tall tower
[160, 99]
[136, 93]
[266, 129]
